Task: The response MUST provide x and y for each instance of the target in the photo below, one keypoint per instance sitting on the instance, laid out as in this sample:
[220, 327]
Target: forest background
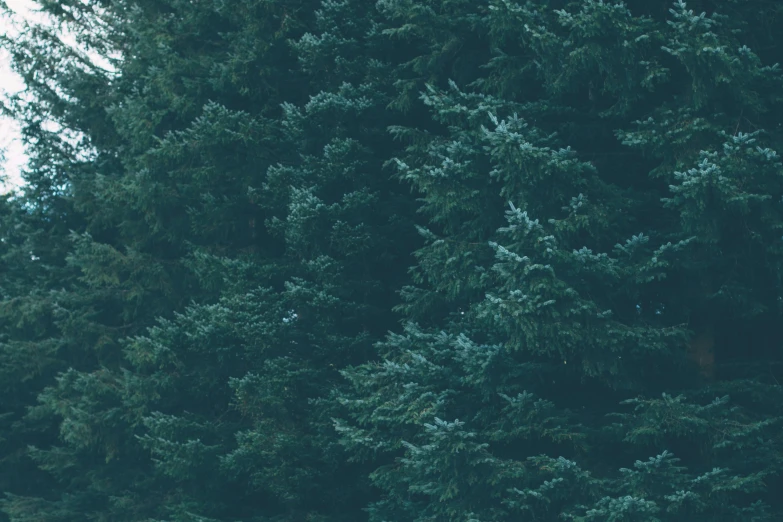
[411, 260]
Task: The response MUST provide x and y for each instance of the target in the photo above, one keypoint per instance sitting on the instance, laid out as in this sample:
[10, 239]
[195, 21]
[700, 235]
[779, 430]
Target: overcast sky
[11, 83]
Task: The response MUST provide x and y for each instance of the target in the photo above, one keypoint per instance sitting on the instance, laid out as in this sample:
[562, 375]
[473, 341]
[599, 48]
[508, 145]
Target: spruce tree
[32, 280]
[275, 221]
[144, 212]
[37, 283]
[604, 196]
[196, 291]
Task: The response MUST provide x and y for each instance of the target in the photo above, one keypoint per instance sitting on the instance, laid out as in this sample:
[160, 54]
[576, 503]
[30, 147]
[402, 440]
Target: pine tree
[592, 322]
[145, 211]
[32, 279]
[631, 152]
[274, 220]
[233, 394]
[36, 280]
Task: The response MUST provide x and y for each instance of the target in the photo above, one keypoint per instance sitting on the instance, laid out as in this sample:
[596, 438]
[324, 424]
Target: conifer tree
[278, 225]
[145, 211]
[234, 393]
[211, 236]
[606, 194]
[37, 282]
[32, 279]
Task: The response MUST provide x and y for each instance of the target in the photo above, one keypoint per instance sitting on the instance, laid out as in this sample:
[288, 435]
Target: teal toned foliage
[625, 233]
[576, 209]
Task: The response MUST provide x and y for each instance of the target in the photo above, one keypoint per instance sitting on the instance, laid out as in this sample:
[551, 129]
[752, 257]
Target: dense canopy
[402, 261]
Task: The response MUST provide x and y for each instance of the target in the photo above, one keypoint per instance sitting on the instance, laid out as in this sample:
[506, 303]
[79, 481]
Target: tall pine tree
[213, 232]
[603, 211]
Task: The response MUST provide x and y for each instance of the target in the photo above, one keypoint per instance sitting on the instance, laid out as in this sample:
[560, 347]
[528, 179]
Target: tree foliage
[404, 261]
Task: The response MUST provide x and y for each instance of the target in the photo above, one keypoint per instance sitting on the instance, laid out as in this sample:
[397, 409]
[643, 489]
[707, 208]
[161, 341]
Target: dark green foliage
[576, 207]
[150, 196]
[255, 211]
[613, 252]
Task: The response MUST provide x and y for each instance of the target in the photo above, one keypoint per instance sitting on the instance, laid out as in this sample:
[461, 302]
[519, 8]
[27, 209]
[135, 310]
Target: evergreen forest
[394, 261]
